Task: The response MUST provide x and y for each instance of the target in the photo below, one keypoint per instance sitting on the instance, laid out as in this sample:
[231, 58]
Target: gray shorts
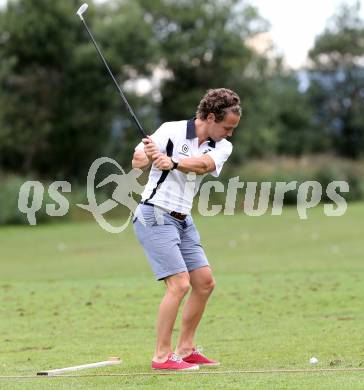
[171, 245]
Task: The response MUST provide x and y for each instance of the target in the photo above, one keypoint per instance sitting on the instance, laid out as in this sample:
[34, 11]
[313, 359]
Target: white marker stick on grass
[59, 371]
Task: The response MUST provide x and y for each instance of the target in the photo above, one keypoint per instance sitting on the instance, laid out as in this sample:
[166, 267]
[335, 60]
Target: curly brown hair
[219, 102]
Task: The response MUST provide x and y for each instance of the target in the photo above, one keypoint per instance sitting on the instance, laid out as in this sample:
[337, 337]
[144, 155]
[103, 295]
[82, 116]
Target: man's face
[220, 130]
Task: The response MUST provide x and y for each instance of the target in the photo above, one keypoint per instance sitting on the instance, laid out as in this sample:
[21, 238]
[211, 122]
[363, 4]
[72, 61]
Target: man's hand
[150, 148]
[162, 162]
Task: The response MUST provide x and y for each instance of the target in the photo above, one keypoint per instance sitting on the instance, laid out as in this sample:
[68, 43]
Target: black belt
[174, 214]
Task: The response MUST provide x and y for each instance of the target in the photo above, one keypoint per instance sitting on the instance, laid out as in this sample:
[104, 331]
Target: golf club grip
[117, 85]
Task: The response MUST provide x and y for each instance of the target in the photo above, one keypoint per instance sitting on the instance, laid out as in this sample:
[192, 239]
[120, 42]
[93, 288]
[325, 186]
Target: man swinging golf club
[180, 154]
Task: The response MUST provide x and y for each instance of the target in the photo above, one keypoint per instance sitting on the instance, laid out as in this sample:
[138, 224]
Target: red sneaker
[196, 357]
[174, 362]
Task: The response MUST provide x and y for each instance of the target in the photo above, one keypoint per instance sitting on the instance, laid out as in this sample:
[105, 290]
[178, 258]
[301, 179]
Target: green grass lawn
[286, 290]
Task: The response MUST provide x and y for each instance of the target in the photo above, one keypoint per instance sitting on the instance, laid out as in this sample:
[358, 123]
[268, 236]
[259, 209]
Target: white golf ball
[313, 360]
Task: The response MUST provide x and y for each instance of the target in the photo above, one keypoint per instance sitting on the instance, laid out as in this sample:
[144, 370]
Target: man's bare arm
[140, 160]
[143, 158]
[199, 165]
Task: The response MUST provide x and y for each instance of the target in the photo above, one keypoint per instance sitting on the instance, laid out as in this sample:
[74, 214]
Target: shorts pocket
[146, 216]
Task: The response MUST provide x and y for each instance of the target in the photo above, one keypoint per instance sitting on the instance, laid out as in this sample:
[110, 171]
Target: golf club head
[82, 10]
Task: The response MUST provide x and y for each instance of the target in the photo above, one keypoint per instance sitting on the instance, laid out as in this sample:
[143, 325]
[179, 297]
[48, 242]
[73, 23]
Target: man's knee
[206, 286]
[179, 284]
[210, 284]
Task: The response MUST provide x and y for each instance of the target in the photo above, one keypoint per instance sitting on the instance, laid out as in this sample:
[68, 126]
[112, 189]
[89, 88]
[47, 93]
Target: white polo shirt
[175, 190]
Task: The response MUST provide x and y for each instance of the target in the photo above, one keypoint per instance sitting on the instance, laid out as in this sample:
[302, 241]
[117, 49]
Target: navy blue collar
[212, 143]
[191, 129]
[191, 132]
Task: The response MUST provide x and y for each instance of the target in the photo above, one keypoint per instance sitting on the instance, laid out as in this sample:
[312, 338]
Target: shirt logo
[185, 148]
[206, 151]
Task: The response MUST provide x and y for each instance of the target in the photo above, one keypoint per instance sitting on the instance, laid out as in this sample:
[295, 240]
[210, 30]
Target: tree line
[59, 111]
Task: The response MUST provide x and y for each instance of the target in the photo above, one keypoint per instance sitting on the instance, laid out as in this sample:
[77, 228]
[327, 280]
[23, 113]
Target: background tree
[337, 82]
[205, 44]
[278, 116]
[202, 44]
[59, 109]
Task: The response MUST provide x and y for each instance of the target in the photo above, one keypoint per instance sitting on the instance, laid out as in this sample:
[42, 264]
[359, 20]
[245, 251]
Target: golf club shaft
[117, 85]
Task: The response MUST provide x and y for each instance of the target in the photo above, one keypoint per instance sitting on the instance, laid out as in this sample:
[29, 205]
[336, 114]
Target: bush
[9, 212]
[9, 195]
[323, 169]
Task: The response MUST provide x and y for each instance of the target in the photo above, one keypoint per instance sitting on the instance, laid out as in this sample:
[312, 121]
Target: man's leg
[202, 283]
[177, 287]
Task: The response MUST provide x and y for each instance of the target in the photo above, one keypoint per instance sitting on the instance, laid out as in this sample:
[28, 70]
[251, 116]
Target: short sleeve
[220, 154]
[160, 137]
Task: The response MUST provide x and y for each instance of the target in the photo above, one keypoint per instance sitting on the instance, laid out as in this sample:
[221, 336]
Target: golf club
[80, 13]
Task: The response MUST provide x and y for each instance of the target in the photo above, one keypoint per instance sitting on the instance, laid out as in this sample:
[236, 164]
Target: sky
[294, 24]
